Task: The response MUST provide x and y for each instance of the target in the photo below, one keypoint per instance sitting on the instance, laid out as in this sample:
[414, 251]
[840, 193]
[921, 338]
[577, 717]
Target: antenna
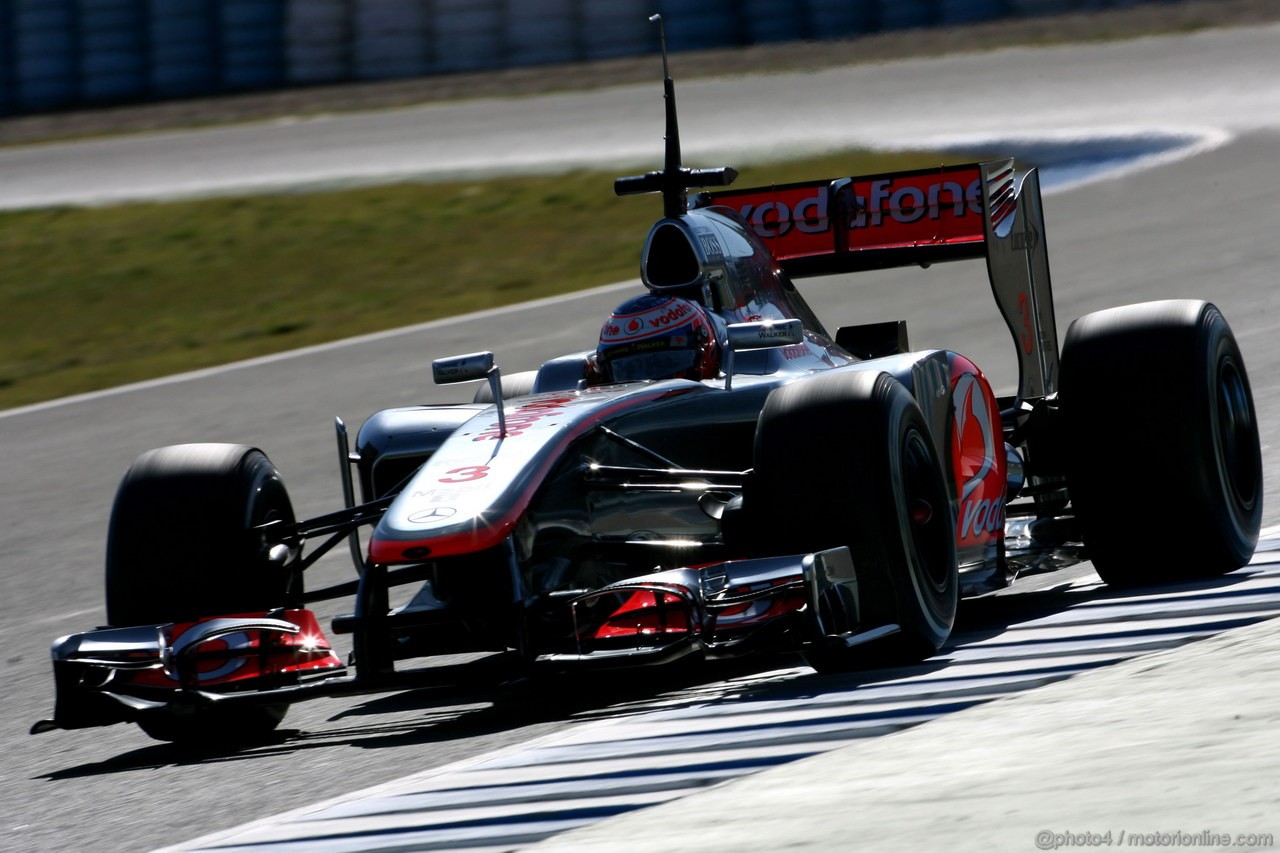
[674, 179]
[662, 42]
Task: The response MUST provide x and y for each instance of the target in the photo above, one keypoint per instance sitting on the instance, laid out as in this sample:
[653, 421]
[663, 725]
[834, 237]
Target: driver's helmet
[658, 337]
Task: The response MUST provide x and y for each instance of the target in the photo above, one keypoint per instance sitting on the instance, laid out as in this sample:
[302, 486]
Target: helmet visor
[659, 364]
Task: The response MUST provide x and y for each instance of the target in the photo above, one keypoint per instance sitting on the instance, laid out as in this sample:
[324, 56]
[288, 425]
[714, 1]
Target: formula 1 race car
[719, 474]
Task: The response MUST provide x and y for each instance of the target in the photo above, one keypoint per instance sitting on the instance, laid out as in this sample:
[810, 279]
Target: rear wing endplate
[979, 210]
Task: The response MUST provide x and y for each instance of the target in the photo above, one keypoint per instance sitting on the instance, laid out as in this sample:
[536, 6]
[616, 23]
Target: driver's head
[658, 337]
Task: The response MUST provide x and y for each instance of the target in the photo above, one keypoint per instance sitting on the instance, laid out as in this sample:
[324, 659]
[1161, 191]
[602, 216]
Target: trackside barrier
[388, 38]
[112, 50]
[841, 19]
[252, 41]
[184, 50]
[536, 32]
[775, 20]
[317, 39]
[57, 54]
[616, 28]
[6, 67]
[42, 53]
[469, 34]
[904, 14]
[694, 24]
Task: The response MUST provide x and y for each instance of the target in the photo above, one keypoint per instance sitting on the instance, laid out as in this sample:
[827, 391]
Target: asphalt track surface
[766, 721]
[1200, 226]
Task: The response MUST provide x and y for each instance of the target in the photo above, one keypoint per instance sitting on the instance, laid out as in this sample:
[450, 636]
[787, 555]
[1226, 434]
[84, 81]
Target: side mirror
[469, 367]
[759, 334]
[764, 334]
[462, 368]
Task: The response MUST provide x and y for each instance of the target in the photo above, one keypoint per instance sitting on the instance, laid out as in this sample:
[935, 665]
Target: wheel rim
[1236, 432]
[925, 501]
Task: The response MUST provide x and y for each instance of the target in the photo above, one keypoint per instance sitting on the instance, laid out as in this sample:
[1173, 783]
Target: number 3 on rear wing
[978, 210]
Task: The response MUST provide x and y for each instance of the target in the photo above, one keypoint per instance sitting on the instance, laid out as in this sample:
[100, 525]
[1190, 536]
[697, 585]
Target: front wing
[725, 609]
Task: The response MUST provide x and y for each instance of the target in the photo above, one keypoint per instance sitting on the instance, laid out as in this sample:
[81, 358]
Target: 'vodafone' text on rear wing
[979, 210]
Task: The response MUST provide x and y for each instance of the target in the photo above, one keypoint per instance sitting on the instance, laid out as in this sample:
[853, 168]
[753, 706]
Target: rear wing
[979, 210]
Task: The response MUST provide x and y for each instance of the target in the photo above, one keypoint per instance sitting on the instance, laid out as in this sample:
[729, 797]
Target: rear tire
[847, 459]
[1164, 460]
[182, 545]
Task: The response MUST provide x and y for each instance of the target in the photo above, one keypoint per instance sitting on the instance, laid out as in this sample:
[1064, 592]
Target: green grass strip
[99, 297]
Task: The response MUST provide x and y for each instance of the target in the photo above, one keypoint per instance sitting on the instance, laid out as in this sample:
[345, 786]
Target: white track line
[317, 348]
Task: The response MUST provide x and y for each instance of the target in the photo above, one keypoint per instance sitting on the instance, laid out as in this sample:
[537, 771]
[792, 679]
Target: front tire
[182, 545]
[1164, 459]
[847, 459]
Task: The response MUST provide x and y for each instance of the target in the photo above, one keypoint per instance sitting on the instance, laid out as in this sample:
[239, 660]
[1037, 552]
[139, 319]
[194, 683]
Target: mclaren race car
[719, 474]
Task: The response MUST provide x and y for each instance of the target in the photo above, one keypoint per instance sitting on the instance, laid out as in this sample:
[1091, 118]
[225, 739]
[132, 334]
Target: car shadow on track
[444, 714]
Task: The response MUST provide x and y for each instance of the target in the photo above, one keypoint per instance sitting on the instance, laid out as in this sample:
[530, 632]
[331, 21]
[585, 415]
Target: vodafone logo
[525, 417]
[882, 201]
[774, 218]
[665, 316]
[981, 517]
[671, 317]
[974, 448]
[911, 203]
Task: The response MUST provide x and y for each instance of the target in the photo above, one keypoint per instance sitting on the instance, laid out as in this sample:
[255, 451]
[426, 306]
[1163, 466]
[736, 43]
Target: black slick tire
[1163, 453]
[182, 545]
[847, 459]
